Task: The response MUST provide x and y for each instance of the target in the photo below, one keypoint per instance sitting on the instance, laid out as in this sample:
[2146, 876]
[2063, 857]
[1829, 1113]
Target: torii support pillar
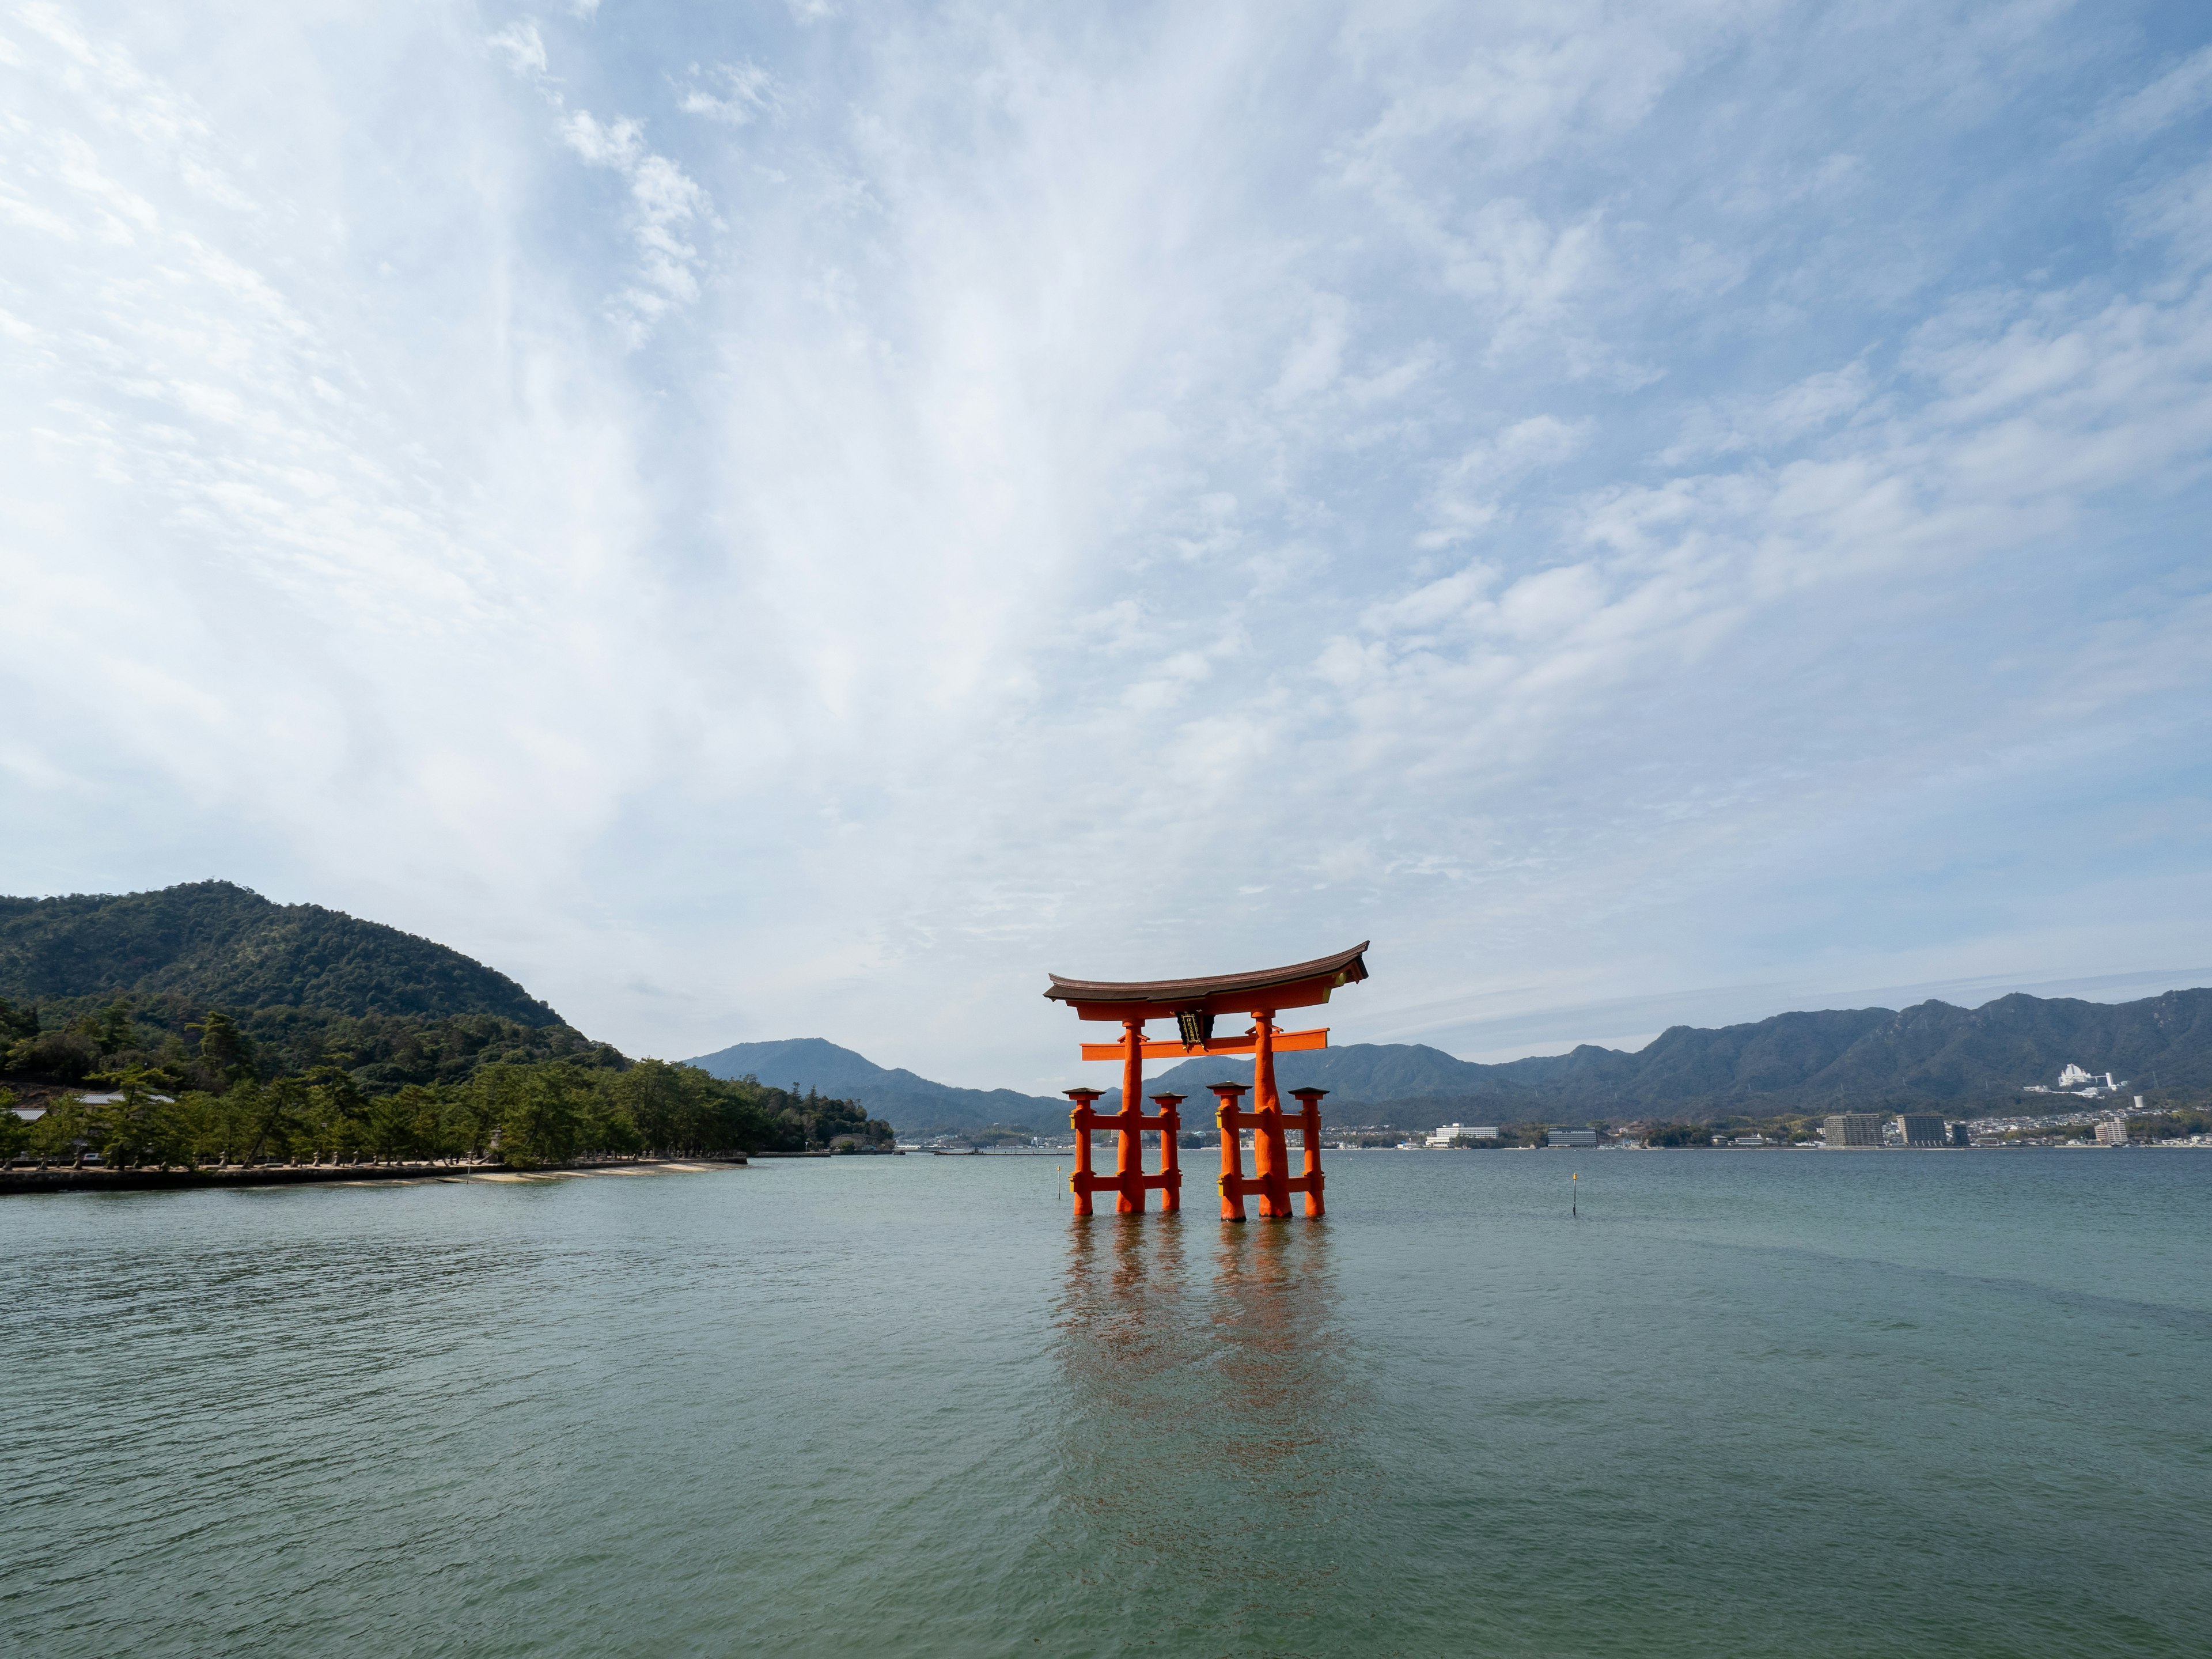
[1236, 1185]
[1309, 1126]
[1128, 1183]
[1082, 1183]
[1170, 1155]
[1271, 1155]
[1129, 1150]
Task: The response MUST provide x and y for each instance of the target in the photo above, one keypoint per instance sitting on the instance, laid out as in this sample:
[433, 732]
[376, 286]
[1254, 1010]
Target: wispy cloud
[522, 45]
[2182, 91]
[736, 94]
[668, 208]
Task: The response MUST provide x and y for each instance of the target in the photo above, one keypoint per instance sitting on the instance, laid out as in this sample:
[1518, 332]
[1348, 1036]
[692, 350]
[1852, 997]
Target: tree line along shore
[206, 1097]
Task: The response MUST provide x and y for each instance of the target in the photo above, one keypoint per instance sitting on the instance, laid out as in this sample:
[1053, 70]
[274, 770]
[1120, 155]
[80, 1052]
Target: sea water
[1771, 1403]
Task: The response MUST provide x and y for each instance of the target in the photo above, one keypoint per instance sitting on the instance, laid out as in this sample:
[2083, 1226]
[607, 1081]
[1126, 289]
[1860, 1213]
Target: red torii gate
[1193, 1004]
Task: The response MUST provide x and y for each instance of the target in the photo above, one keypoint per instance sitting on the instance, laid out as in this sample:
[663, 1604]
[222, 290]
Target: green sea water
[1771, 1403]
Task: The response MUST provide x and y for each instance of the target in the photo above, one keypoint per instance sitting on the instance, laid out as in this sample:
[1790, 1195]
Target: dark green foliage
[2171, 1125]
[218, 986]
[523, 1115]
[226, 1052]
[14, 1134]
[213, 1047]
[216, 945]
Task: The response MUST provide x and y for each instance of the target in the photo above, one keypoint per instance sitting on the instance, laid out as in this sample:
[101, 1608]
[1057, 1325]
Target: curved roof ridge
[1343, 968]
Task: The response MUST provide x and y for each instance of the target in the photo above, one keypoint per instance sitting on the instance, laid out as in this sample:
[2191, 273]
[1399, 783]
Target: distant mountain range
[307, 982]
[914, 1104]
[1933, 1054]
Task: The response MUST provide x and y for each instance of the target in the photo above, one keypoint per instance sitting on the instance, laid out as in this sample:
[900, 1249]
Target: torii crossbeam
[1193, 1004]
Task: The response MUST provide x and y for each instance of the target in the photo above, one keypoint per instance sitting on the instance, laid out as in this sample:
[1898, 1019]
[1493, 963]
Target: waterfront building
[1921, 1128]
[1449, 1133]
[1571, 1136]
[2112, 1132]
[1854, 1129]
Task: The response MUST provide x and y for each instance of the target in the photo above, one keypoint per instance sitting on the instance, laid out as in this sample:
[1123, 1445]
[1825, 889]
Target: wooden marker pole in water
[1574, 1194]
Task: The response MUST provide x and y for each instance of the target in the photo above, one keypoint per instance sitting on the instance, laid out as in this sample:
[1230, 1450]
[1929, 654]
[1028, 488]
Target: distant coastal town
[2119, 1119]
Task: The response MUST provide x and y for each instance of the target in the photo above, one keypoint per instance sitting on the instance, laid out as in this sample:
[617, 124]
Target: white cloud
[667, 204]
[522, 45]
[2181, 92]
[734, 93]
[1314, 363]
[603, 143]
[2179, 211]
[1467, 496]
[1774, 421]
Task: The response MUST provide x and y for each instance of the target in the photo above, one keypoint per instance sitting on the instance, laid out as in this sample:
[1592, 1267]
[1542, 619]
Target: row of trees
[523, 1115]
[70, 1040]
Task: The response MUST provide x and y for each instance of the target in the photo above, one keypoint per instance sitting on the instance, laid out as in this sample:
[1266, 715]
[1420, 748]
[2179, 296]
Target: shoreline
[64, 1179]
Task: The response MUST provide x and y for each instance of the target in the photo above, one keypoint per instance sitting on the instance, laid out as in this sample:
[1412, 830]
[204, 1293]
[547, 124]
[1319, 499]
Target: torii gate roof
[1300, 985]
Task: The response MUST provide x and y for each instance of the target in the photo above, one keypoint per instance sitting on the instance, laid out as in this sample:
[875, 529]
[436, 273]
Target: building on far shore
[1853, 1129]
[1921, 1128]
[2112, 1132]
[1570, 1137]
[1445, 1134]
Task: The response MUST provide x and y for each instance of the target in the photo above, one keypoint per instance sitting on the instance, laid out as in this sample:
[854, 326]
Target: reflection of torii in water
[1193, 1004]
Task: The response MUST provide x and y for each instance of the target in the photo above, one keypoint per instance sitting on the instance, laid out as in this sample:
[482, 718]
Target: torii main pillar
[1194, 1004]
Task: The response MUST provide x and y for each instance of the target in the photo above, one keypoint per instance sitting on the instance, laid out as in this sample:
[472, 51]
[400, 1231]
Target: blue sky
[794, 519]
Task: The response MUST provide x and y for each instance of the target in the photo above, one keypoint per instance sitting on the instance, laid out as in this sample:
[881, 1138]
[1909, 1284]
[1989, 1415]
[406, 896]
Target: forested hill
[232, 1028]
[214, 943]
[91, 983]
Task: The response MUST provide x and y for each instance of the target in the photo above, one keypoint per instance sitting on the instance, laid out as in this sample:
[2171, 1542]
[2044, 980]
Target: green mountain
[90, 981]
[217, 943]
